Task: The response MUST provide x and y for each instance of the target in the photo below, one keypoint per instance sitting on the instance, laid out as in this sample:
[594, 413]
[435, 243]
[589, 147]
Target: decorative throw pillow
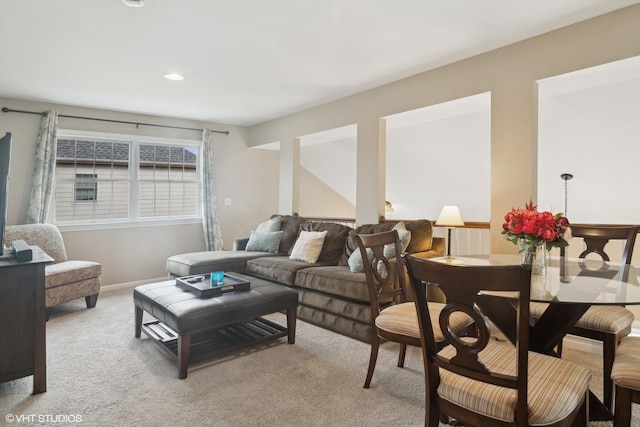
[404, 236]
[264, 241]
[421, 235]
[272, 224]
[355, 260]
[308, 246]
[291, 227]
[333, 246]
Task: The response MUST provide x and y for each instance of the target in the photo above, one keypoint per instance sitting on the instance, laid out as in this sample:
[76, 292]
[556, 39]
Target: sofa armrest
[439, 245]
[240, 244]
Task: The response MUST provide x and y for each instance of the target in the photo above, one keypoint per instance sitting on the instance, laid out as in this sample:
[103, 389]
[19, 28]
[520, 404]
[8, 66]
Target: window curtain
[44, 169]
[210, 222]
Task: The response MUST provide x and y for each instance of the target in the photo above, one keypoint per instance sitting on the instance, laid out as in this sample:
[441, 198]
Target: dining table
[569, 287]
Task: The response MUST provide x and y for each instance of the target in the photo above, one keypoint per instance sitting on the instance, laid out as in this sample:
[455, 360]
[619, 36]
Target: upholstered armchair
[65, 280]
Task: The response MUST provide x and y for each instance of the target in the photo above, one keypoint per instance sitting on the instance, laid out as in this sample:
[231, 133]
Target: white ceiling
[249, 61]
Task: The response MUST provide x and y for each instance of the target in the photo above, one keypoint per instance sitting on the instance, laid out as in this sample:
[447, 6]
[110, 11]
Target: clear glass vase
[533, 255]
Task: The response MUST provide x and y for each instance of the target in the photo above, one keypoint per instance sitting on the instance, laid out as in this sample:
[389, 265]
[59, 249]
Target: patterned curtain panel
[44, 169]
[210, 222]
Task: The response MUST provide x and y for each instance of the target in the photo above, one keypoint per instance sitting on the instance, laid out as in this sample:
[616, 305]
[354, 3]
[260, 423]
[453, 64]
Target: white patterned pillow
[308, 246]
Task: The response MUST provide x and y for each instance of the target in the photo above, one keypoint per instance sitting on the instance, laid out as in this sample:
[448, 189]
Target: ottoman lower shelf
[216, 341]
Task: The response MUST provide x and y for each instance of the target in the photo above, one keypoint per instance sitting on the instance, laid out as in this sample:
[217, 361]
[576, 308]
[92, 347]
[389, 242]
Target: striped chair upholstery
[625, 374]
[556, 386]
[402, 319]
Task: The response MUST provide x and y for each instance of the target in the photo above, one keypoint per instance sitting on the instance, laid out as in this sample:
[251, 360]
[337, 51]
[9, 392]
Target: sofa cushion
[334, 242]
[280, 268]
[208, 261]
[290, 225]
[308, 246]
[264, 241]
[335, 304]
[421, 235]
[63, 273]
[336, 280]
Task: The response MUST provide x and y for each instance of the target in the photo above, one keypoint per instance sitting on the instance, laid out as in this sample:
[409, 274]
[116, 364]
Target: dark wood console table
[22, 320]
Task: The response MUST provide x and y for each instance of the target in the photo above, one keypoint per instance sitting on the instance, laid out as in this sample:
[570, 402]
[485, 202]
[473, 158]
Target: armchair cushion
[71, 271]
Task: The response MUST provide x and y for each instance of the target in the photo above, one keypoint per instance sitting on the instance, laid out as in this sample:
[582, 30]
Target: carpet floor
[98, 374]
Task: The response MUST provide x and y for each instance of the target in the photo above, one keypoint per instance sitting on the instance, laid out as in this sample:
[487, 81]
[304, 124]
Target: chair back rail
[386, 282]
[597, 236]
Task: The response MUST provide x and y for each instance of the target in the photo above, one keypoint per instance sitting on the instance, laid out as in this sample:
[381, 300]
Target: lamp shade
[450, 217]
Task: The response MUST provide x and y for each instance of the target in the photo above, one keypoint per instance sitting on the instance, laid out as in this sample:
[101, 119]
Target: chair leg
[582, 417]
[559, 349]
[375, 344]
[91, 300]
[622, 413]
[401, 355]
[608, 355]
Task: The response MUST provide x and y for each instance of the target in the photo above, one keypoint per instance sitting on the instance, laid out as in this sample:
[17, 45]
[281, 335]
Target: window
[111, 178]
[86, 187]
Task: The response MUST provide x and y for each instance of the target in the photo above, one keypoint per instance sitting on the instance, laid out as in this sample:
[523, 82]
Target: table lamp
[450, 218]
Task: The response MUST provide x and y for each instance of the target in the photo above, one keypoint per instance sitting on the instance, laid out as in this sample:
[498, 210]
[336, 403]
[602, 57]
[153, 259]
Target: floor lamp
[450, 218]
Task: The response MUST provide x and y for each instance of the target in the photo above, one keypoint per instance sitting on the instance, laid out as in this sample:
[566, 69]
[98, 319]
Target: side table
[22, 320]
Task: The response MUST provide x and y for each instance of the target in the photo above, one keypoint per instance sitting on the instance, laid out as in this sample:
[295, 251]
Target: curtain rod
[9, 110]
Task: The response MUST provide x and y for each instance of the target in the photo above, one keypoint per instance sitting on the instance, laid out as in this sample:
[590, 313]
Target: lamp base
[450, 260]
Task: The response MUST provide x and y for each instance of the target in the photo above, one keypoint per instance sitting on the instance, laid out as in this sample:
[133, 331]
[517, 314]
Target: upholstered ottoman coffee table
[186, 323]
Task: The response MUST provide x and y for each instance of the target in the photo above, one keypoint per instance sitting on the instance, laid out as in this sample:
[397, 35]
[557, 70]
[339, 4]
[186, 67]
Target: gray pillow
[355, 260]
[404, 236]
[272, 224]
[264, 241]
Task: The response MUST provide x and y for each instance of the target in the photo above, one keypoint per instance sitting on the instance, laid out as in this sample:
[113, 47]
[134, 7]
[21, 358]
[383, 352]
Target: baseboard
[117, 286]
[635, 328]
[582, 344]
[593, 346]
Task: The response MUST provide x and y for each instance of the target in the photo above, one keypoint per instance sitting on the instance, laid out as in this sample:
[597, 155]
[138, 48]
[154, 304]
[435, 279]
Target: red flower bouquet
[536, 227]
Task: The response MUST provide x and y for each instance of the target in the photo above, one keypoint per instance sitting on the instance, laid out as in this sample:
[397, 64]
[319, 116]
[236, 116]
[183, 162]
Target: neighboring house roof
[119, 152]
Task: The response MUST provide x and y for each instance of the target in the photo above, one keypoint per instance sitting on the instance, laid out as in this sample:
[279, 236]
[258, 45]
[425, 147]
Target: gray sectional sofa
[331, 295]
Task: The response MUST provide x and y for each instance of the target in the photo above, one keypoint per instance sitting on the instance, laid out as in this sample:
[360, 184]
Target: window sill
[89, 226]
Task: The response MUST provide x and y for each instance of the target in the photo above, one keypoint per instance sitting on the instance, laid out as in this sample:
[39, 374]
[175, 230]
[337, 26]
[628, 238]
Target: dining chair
[626, 377]
[608, 324]
[392, 317]
[478, 380]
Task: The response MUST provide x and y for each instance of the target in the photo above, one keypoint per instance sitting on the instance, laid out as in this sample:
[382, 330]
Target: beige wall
[253, 179]
[247, 176]
[508, 73]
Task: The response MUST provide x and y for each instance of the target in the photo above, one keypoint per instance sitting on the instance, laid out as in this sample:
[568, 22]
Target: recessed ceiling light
[174, 76]
[133, 3]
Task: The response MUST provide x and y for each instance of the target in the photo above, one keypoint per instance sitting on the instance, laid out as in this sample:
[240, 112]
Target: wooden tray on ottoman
[200, 285]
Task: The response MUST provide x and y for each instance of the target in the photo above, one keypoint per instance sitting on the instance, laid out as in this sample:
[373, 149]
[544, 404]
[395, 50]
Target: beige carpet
[99, 374]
